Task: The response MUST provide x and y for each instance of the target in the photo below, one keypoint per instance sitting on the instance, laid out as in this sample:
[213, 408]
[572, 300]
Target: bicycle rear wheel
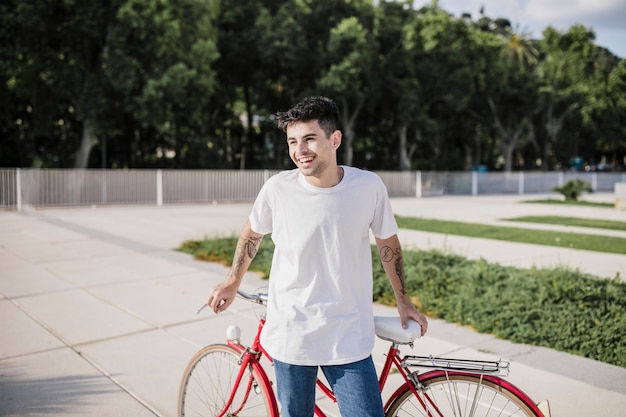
[462, 395]
[209, 380]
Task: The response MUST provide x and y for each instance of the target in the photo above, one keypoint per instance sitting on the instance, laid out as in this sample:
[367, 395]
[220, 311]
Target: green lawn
[571, 203]
[554, 307]
[558, 308]
[572, 221]
[596, 243]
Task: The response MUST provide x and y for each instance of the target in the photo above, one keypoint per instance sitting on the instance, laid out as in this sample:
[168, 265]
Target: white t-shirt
[320, 305]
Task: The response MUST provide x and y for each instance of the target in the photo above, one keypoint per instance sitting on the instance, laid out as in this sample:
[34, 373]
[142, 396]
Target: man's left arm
[390, 252]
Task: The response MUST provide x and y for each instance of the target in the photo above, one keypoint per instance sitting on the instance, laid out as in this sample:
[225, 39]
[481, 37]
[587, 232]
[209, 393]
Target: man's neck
[330, 178]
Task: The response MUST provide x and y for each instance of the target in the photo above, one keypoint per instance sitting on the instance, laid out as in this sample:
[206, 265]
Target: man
[320, 311]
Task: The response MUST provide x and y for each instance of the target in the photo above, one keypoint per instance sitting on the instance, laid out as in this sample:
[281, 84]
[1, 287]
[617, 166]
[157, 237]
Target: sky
[607, 18]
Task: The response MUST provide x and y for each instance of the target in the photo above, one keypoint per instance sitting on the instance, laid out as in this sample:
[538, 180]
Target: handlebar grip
[258, 297]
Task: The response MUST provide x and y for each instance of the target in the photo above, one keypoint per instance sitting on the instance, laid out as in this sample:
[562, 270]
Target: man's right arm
[224, 294]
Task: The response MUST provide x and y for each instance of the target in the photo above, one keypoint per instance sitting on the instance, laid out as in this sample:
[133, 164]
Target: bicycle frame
[250, 357]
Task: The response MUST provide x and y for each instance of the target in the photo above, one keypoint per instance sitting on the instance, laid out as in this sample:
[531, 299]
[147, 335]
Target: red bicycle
[231, 380]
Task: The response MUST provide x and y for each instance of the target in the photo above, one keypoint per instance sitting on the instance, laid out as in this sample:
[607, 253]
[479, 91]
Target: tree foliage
[195, 84]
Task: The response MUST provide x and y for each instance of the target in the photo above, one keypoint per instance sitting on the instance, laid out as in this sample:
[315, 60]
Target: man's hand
[221, 297]
[408, 311]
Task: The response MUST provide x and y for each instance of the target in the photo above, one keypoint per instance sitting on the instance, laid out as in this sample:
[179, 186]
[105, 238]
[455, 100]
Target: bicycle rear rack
[500, 368]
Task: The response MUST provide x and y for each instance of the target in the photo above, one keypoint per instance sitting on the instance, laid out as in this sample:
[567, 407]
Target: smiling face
[314, 153]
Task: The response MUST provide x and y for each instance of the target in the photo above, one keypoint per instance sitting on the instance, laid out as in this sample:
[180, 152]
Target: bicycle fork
[246, 367]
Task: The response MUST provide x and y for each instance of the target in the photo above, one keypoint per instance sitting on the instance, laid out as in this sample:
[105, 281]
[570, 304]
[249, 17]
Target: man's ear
[335, 139]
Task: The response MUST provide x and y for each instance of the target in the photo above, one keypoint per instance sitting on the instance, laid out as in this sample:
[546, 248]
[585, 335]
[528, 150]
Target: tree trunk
[88, 141]
[510, 137]
[246, 139]
[405, 162]
[554, 125]
[507, 151]
[348, 138]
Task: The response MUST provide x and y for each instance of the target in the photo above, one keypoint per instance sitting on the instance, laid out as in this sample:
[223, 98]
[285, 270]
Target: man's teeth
[306, 159]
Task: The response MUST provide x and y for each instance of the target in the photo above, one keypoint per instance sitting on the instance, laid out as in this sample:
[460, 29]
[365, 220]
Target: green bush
[572, 189]
[557, 308]
[221, 250]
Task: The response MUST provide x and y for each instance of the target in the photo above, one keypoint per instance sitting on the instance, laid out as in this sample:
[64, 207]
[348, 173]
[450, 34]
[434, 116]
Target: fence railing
[41, 188]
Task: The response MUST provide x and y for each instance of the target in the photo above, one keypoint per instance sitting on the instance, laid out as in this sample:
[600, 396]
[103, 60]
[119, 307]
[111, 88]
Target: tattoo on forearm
[247, 247]
[252, 246]
[400, 273]
[388, 254]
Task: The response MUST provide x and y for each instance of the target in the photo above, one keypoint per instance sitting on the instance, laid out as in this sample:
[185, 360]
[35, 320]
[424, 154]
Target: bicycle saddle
[390, 328]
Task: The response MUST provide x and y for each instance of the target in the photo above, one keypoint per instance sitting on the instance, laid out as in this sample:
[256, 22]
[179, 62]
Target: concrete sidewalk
[97, 311]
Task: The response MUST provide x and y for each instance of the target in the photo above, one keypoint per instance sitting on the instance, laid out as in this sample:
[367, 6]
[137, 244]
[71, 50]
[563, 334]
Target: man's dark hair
[322, 109]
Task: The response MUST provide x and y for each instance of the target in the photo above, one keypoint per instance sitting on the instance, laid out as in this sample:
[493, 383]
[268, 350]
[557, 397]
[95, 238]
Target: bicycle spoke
[459, 396]
[229, 380]
[207, 387]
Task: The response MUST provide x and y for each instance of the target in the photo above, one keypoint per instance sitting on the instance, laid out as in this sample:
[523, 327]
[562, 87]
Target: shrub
[572, 189]
[558, 308]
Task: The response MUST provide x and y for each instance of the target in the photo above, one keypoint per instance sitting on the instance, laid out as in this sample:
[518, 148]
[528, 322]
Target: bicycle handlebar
[259, 298]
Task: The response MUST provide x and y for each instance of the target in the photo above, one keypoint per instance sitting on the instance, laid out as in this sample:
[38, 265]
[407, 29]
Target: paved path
[97, 311]
[494, 209]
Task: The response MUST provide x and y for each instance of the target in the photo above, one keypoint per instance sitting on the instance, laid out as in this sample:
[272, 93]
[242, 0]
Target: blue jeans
[355, 386]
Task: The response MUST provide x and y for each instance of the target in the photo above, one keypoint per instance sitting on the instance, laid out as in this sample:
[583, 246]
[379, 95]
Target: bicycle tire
[461, 395]
[208, 381]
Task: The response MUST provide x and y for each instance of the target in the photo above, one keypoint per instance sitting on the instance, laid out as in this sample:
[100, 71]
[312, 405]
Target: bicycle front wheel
[462, 395]
[209, 380]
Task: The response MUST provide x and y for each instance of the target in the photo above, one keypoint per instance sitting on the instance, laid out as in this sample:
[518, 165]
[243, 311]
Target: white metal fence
[21, 188]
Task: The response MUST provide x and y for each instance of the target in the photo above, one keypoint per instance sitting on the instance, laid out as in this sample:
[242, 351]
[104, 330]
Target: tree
[158, 60]
[284, 38]
[401, 105]
[350, 61]
[604, 108]
[56, 82]
[511, 91]
[562, 72]
[200, 80]
[84, 72]
[349, 77]
[241, 68]
[450, 61]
